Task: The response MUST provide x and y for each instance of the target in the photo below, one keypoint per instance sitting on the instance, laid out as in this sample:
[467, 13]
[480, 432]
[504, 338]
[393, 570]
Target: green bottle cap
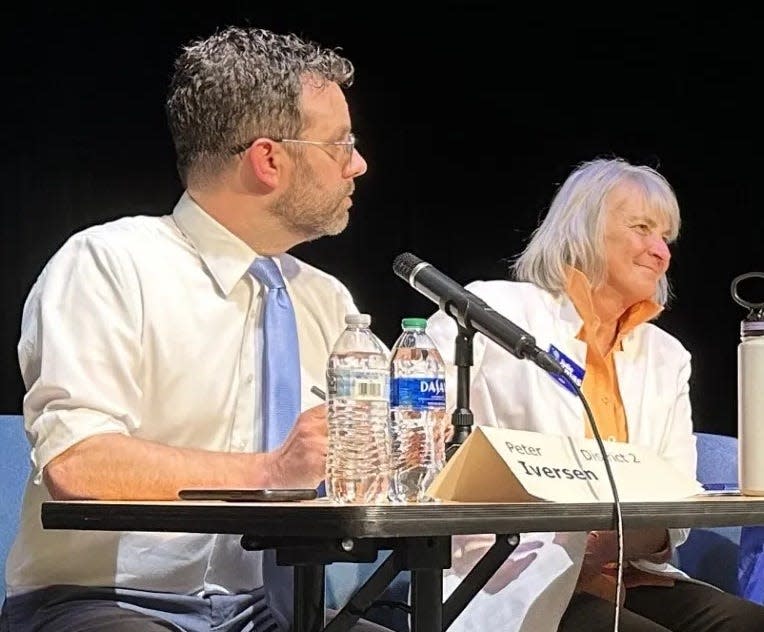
[414, 323]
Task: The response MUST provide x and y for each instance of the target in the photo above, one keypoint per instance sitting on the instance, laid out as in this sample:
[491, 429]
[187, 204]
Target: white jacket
[532, 589]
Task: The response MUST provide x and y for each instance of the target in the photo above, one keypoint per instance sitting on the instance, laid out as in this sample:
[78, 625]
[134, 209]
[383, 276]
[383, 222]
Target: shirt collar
[226, 257]
[579, 289]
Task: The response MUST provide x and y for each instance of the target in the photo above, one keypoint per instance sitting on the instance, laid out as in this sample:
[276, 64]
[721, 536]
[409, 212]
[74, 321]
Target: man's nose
[357, 165]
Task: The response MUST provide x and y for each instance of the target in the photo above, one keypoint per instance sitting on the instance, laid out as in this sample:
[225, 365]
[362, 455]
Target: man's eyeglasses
[347, 146]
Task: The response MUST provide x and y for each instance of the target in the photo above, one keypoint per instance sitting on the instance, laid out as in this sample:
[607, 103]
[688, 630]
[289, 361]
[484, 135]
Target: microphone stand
[461, 418]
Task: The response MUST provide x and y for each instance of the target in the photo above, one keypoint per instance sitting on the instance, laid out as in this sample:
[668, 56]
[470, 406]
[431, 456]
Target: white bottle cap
[358, 319]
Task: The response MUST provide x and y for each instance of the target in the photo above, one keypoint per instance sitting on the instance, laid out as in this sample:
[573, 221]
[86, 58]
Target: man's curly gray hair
[240, 84]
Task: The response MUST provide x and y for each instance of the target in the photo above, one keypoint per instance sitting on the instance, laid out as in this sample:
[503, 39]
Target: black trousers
[684, 607]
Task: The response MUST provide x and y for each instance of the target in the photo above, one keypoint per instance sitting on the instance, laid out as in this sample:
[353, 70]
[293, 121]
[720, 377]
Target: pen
[318, 392]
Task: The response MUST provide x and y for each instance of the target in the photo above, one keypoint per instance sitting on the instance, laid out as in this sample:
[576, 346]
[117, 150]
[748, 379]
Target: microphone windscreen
[404, 264]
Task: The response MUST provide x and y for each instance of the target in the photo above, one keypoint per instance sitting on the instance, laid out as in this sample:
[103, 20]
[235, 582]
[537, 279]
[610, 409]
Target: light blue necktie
[281, 356]
[281, 405]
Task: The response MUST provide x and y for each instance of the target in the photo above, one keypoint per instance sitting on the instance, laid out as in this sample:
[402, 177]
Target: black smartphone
[248, 495]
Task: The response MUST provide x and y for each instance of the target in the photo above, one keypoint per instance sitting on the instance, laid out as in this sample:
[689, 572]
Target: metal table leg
[427, 600]
[479, 576]
[309, 598]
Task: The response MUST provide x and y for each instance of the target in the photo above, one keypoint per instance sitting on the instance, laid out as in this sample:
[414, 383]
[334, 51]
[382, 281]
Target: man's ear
[266, 158]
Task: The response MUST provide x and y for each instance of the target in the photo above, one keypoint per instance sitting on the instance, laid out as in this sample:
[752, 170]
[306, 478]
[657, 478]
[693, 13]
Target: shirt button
[249, 379]
[611, 438]
[605, 400]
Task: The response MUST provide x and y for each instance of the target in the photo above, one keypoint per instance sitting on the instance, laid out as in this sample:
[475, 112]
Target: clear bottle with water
[358, 386]
[417, 413]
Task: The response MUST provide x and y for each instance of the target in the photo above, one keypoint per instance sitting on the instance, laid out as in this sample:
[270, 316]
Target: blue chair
[711, 554]
[750, 572]
[15, 466]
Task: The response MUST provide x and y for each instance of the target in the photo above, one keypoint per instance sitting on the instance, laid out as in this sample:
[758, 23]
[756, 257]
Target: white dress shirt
[151, 327]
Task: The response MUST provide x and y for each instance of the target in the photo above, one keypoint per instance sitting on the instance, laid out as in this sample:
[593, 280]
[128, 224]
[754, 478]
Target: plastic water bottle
[358, 386]
[750, 393]
[417, 413]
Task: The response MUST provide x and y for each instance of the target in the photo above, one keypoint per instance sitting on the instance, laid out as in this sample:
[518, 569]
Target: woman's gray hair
[238, 85]
[572, 233]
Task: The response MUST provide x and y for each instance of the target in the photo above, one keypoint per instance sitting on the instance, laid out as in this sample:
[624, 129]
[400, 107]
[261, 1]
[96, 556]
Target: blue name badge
[572, 370]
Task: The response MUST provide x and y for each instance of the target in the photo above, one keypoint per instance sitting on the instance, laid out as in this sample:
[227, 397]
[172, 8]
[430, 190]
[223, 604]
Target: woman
[588, 283]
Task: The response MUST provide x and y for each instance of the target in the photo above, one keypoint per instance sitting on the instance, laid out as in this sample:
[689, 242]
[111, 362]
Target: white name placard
[503, 465]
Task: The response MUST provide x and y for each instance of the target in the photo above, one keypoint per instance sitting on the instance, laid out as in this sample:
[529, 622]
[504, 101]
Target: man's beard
[309, 211]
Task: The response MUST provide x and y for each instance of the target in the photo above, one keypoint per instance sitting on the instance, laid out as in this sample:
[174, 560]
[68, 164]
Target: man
[142, 347]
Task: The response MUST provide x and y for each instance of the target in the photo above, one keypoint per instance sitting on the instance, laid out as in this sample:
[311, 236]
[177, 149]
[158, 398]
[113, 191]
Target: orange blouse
[600, 385]
[600, 388]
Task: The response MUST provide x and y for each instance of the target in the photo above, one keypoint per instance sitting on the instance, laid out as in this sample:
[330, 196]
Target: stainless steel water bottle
[750, 392]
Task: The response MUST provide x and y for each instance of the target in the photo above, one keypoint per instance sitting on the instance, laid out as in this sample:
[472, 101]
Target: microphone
[471, 312]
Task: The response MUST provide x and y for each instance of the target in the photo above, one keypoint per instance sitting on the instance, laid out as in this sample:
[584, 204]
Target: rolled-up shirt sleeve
[80, 348]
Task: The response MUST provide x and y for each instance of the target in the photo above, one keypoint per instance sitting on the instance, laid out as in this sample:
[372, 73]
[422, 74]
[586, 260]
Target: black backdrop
[469, 115]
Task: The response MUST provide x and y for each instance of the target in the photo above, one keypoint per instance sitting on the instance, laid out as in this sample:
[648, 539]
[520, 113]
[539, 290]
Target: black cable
[614, 489]
[384, 603]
